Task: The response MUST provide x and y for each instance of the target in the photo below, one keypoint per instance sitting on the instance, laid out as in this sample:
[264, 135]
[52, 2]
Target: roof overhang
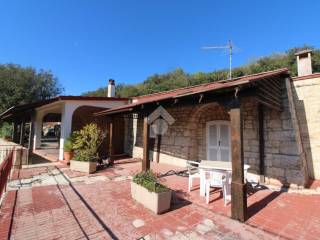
[263, 81]
[25, 110]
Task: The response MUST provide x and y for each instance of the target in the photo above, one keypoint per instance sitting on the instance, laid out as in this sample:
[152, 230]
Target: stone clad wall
[186, 139]
[307, 101]
[282, 159]
[250, 134]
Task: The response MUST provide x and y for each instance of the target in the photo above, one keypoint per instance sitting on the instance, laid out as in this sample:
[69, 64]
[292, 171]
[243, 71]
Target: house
[267, 120]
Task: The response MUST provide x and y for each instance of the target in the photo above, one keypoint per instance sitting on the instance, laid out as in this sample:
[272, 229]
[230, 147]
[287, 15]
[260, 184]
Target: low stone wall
[20, 155]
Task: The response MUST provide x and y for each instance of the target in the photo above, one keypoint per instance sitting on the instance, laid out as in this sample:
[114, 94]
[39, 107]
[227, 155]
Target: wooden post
[30, 144]
[146, 145]
[261, 142]
[158, 148]
[238, 187]
[15, 132]
[22, 132]
[111, 140]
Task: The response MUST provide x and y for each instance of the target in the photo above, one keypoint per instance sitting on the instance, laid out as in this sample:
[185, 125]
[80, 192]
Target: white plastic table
[206, 166]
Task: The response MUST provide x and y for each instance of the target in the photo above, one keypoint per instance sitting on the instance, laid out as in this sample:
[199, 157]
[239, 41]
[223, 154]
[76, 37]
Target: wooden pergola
[265, 88]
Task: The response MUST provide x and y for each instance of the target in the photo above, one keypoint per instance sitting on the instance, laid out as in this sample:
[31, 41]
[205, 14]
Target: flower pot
[86, 167]
[156, 202]
[67, 156]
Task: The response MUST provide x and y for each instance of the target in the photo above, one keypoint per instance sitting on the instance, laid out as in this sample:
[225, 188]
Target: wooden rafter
[269, 93]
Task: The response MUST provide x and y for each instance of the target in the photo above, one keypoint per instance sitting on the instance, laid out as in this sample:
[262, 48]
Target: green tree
[24, 85]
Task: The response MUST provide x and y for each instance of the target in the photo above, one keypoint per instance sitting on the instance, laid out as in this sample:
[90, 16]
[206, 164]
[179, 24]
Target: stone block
[289, 148]
[295, 176]
[276, 172]
[287, 124]
[181, 141]
[274, 124]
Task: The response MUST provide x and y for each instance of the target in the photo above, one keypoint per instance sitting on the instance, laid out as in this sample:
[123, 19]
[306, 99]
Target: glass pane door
[218, 141]
[212, 142]
[224, 146]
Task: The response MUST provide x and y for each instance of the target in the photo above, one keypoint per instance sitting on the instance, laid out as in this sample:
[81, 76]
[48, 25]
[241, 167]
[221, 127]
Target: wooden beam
[15, 132]
[158, 148]
[268, 104]
[261, 143]
[146, 145]
[268, 85]
[30, 142]
[22, 133]
[275, 82]
[111, 140]
[272, 102]
[267, 92]
[238, 187]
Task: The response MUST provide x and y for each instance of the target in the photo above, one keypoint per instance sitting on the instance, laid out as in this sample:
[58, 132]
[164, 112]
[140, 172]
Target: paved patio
[52, 202]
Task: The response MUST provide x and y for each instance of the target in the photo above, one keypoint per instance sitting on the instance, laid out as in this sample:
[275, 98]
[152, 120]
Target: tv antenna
[228, 46]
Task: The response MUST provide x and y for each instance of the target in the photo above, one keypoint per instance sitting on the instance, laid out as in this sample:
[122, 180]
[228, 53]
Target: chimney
[304, 63]
[111, 88]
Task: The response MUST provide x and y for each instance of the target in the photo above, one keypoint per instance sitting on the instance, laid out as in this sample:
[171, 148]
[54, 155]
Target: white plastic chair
[214, 178]
[226, 187]
[193, 172]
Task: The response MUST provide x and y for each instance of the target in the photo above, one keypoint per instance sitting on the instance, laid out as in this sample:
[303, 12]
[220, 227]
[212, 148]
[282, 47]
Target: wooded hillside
[179, 78]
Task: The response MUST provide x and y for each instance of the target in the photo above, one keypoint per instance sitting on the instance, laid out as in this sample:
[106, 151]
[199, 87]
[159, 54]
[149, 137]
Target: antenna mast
[228, 46]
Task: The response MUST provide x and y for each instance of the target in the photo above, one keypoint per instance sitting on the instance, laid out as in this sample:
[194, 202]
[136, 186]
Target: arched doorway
[211, 123]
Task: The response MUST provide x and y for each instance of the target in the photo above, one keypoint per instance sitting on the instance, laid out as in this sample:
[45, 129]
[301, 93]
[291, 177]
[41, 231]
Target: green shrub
[67, 147]
[5, 129]
[86, 143]
[149, 181]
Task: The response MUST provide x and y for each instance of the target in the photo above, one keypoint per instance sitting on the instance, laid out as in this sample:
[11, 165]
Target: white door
[218, 141]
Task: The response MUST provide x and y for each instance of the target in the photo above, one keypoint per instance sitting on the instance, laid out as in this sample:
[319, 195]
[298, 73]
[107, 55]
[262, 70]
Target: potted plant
[85, 145]
[67, 150]
[146, 190]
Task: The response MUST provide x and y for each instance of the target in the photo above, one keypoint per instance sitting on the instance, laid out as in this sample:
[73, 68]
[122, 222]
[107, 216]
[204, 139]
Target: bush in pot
[146, 190]
[68, 150]
[85, 145]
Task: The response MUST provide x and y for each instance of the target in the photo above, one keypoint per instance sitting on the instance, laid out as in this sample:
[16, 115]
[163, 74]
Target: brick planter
[156, 202]
[86, 167]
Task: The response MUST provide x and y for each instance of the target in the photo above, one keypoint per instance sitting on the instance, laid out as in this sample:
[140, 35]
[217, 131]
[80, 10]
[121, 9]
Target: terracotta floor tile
[105, 210]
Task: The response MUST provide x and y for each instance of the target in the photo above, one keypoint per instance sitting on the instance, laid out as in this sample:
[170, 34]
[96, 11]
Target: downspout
[297, 131]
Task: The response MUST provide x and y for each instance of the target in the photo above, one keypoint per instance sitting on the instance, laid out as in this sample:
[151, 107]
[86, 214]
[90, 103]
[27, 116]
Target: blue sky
[85, 42]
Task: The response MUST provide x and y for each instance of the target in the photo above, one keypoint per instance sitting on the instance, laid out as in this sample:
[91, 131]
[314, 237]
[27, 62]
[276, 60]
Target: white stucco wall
[66, 108]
